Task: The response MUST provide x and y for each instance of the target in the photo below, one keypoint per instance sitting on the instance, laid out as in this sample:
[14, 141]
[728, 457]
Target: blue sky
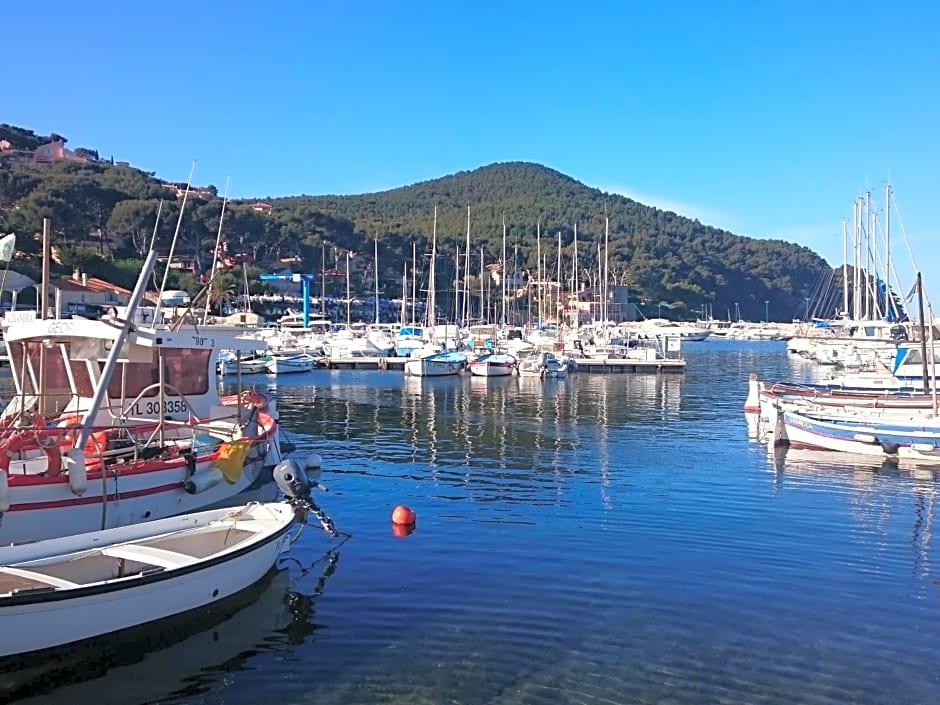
[767, 119]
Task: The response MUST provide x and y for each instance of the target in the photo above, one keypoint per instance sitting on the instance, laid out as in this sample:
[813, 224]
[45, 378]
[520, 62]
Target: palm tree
[221, 291]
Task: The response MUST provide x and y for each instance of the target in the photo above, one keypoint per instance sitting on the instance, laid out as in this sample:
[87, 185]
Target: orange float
[403, 516]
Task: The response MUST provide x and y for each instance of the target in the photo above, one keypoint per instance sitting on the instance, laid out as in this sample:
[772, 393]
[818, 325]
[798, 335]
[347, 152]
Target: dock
[585, 365]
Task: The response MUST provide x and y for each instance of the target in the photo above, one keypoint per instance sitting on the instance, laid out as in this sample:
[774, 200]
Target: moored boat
[285, 364]
[437, 364]
[65, 590]
[119, 420]
[493, 364]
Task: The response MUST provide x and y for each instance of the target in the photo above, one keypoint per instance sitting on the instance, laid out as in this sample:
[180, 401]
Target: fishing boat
[916, 439]
[281, 364]
[438, 364]
[66, 590]
[231, 364]
[493, 364]
[119, 420]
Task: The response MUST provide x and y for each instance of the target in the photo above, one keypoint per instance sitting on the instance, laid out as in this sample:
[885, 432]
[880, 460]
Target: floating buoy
[314, 462]
[403, 516]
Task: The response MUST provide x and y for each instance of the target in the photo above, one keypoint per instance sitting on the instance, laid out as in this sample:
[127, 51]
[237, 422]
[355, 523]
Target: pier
[585, 365]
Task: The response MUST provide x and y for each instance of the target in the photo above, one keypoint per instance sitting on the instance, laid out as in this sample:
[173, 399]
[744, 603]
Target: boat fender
[923, 447]
[889, 448]
[190, 459]
[197, 484]
[4, 492]
[74, 461]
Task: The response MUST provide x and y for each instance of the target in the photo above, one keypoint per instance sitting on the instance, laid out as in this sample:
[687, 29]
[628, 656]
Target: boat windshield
[186, 371]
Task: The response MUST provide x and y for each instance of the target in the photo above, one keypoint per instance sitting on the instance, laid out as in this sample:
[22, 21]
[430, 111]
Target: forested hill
[103, 216]
[662, 256]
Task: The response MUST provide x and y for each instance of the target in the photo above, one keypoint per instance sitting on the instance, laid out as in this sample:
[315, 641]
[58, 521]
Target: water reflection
[494, 434]
[178, 658]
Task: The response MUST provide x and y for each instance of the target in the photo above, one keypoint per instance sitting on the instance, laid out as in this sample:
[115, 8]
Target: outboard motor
[292, 481]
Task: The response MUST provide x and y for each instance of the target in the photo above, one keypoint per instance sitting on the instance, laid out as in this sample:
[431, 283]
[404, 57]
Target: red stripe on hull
[95, 499]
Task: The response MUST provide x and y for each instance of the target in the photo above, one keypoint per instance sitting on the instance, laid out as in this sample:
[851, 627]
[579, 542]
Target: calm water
[604, 539]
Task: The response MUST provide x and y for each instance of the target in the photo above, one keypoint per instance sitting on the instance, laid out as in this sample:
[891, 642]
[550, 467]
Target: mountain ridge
[663, 257]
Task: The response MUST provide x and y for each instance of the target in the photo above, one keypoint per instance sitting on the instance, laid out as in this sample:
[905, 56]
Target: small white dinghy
[65, 590]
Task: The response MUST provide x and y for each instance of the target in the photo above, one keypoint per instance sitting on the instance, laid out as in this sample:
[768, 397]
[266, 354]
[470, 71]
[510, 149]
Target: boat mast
[414, 283]
[348, 295]
[889, 300]
[606, 254]
[169, 259]
[323, 279]
[465, 319]
[377, 277]
[574, 277]
[215, 252]
[503, 274]
[845, 268]
[114, 355]
[483, 316]
[558, 302]
[868, 236]
[538, 270]
[404, 295]
[923, 336]
[431, 313]
[856, 279]
[458, 319]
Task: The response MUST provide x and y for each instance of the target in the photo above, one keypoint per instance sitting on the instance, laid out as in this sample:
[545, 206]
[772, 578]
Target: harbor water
[600, 539]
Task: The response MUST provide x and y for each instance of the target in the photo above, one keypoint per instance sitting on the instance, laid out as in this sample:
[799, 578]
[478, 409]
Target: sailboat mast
[889, 300]
[414, 283]
[574, 264]
[503, 275]
[845, 268]
[215, 253]
[538, 270]
[466, 274]
[482, 308]
[348, 294]
[377, 277]
[432, 313]
[606, 254]
[404, 295]
[457, 318]
[558, 303]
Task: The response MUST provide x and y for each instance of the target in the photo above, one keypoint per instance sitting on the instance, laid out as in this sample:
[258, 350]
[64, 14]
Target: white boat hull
[51, 510]
[423, 367]
[42, 619]
[283, 366]
[490, 370]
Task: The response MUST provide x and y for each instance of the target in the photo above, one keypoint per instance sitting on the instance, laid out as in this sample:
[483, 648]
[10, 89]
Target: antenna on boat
[215, 252]
[169, 259]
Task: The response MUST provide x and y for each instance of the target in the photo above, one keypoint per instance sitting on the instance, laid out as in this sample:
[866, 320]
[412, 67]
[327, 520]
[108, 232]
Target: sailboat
[437, 363]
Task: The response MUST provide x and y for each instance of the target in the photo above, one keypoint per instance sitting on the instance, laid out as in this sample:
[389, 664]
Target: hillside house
[55, 151]
[86, 296]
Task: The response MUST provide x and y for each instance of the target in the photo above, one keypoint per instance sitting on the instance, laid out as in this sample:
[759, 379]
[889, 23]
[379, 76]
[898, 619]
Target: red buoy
[403, 515]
